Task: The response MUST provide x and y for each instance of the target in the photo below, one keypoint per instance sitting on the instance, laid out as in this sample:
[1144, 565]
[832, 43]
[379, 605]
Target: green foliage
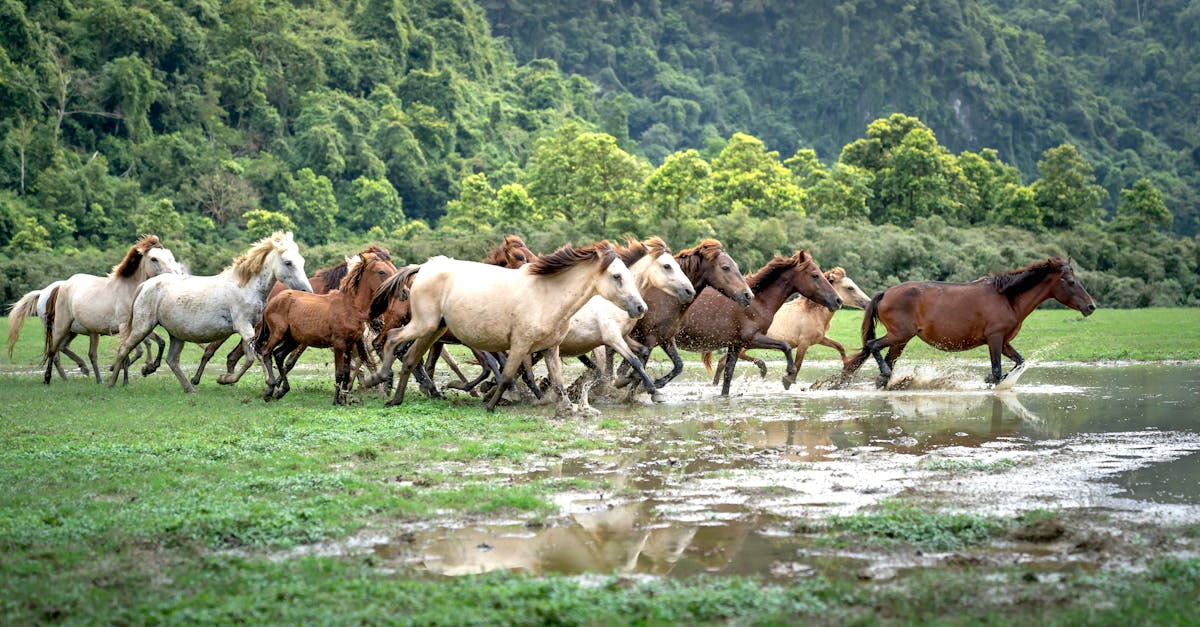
[1066, 190]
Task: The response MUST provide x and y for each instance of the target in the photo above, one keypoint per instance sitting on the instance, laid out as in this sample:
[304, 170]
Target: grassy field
[143, 504]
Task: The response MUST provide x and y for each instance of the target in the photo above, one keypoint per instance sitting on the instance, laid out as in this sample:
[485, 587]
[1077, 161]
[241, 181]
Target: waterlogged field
[1074, 496]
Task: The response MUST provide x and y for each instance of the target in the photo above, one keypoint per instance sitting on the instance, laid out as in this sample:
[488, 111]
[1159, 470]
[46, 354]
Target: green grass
[967, 465]
[896, 522]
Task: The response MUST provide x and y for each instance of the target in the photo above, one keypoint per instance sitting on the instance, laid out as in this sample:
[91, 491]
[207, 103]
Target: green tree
[746, 175]
[310, 203]
[30, 237]
[260, 223]
[474, 209]
[1067, 192]
[675, 188]
[1142, 208]
[375, 204]
[990, 180]
[161, 219]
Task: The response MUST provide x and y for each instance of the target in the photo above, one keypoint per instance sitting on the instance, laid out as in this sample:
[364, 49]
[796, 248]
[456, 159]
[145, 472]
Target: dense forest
[937, 140]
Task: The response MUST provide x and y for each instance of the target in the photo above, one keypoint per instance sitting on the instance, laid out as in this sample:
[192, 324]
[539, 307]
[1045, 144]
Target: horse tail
[870, 315]
[706, 359]
[395, 287]
[51, 312]
[20, 310]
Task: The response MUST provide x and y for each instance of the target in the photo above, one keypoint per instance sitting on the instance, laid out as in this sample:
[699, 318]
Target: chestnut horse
[803, 323]
[705, 265]
[716, 321]
[521, 311]
[322, 281]
[295, 320]
[961, 316]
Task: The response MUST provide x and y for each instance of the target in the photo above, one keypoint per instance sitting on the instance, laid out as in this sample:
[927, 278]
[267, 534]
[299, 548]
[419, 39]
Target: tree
[1067, 192]
[376, 204]
[474, 209]
[260, 224]
[310, 203]
[586, 178]
[1142, 208]
[160, 219]
[674, 190]
[746, 175]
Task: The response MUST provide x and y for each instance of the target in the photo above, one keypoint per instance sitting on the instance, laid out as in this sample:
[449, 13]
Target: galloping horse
[322, 281]
[705, 265]
[803, 323]
[95, 306]
[35, 303]
[715, 321]
[204, 309]
[294, 320]
[521, 311]
[601, 323]
[961, 316]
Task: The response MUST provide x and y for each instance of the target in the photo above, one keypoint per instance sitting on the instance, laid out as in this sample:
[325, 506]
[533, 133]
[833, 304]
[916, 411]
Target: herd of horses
[515, 308]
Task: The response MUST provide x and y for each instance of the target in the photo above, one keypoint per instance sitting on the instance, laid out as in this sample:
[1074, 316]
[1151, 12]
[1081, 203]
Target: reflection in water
[718, 482]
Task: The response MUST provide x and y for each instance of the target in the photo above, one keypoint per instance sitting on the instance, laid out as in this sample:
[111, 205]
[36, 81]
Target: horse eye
[617, 278]
[287, 263]
[667, 267]
[725, 268]
[520, 257]
[816, 274]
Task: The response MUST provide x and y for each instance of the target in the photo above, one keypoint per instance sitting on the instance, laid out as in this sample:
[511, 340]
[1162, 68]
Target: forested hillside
[1120, 80]
[938, 140]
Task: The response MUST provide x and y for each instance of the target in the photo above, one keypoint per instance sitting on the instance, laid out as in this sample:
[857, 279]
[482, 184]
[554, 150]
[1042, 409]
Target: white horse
[35, 302]
[90, 305]
[601, 323]
[205, 309]
[520, 311]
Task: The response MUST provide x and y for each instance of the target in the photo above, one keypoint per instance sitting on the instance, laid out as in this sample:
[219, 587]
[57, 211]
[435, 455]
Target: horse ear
[803, 256]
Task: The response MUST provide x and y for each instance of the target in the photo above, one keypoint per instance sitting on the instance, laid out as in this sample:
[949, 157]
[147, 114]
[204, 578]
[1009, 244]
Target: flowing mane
[836, 273]
[250, 264]
[133, 258]
[690, 259]
[1023, 279]
[634, 250]
[497, 256]
[333, 275]
[568, 256]
[776, 266]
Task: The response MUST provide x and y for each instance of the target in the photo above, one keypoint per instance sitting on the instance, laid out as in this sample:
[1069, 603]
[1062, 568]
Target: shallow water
[720, 485]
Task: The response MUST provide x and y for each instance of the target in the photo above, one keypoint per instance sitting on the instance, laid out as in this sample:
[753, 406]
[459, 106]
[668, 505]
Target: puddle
[717, 485]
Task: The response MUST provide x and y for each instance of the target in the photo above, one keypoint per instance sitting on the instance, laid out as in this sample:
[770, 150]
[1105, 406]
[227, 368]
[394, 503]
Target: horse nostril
[839, 301]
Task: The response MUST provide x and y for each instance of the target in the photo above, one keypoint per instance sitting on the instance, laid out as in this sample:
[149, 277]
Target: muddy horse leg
[731, 354]
[1011, 353]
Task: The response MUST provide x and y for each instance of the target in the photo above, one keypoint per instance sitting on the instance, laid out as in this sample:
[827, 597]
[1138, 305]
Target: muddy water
[715, 485]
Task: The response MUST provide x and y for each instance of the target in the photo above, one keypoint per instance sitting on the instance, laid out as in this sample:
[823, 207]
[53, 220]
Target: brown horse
[803, 323]
[322, 281]
[961, 316]
[716, 321]
[294, 320]
[705, 265]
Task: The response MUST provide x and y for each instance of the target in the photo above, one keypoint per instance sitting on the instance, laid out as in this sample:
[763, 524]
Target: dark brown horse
[322, 281]
[294, 320]
[961, 316]
[705, 265]
[715, 322]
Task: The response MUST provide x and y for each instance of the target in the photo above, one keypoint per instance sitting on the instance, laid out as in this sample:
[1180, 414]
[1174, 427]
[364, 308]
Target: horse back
[951, 316]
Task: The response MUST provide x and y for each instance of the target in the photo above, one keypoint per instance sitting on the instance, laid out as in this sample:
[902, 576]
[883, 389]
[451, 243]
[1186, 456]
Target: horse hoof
[657, 397]
[788, 381]
[224, 380]
[881, 382]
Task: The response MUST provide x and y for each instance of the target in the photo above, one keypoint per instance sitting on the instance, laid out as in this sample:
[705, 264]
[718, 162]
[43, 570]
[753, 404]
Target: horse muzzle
[686, 294]
[1088, 309]
[635, 309]
[744, 298]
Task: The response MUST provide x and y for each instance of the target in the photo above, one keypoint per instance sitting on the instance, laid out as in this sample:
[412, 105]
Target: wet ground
[741, 485]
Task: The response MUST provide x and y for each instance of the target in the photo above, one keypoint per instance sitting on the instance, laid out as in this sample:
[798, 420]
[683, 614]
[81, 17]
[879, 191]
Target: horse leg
[412, 359]
[527, 377]
[93, 347]
[995, 348]
[453, 364]
[730, 364]
[341, 377]
[384, 374]
[835, 345]
[285, 360]
[762, 340]
[509, 373]
[621, 347]
[149, 367]
[1011, 353]
[173, 352]
[893, 355]
[231, 360]
[720, 369]
[762, 365]
[209, 351]
[66, 350]
[676, 363]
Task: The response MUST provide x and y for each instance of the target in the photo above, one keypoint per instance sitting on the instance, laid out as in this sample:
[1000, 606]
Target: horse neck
[1025, 302]
[260, 284]
[571, 289]
[775, 293]
[694, 268]
[643, 274]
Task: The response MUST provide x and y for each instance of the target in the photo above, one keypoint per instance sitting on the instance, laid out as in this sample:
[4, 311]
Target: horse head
[366, 271]
[511, 253]
[614, 282]
[707, 264]
[619, 287]
[848, 290]
[1069, 291]
[806, 278]
[654, 266]
[289, 265]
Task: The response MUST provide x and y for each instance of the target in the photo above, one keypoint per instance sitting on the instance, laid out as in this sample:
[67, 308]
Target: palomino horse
[295, 319]
[204, 309]
[95, 306]
[715, 321]
[601, 323]
[322, 281]
[705, 265]
[803, 323]
[961, 316]
[510, 253]
[521, 311]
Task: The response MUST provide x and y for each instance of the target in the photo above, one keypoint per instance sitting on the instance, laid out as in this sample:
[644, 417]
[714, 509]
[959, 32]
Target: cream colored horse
[204, 309]
[803, 323]
[601, 323]
[520, 311]
[90, 305]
